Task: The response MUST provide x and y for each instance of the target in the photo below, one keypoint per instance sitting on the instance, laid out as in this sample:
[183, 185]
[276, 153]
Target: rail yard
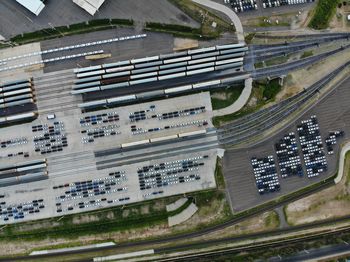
[112, 118]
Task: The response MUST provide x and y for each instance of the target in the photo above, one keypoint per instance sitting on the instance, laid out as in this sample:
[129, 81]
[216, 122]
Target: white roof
[90, 6]
[34, 6]
[349, 17]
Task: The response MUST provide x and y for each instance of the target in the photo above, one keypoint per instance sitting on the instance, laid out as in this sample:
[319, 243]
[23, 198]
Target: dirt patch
[85, 219]
[145, 210]
[184, 44]
[329, 203]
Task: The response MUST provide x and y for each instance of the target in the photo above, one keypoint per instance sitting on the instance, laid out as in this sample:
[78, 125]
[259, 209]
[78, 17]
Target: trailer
[21, 116]
[192, 67]
[172, 71]
[228, 66]
[32, 167]
[156, 63]
[145, 70]
[125, 73]
[14, 98]
[143, 81]
[229, 56]
[15, 82]
[205, 55]
[181, 64]
[229, 61]
[144, 75]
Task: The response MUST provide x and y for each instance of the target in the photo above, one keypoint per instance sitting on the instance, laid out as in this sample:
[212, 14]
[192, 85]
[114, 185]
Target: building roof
[90, 6]
[34, 6]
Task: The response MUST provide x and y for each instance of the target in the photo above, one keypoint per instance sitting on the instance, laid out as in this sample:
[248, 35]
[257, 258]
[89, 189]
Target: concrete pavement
[344, 150]
[228, 12]
[240, 102]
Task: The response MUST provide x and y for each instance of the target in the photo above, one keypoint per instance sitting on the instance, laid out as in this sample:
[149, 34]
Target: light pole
[54, 28]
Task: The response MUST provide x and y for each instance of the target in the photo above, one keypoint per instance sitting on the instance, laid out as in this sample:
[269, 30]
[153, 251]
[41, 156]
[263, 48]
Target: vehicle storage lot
[70, 156]
[62, 195]
[15, 19]
[332, 114]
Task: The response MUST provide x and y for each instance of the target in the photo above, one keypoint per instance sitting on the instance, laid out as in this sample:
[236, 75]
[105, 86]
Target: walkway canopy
[34, 6]
[90, 6]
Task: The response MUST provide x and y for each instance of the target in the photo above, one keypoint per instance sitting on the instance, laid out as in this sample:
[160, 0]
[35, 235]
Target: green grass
[277, 60]
[79, 28]
[264, 91]
[219, 175]
[231, 94]
[272, 220]
[249, 38]
[307, 54]
[323, 13]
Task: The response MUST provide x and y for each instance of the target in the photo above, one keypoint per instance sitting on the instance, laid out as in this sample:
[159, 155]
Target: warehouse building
[90, 6]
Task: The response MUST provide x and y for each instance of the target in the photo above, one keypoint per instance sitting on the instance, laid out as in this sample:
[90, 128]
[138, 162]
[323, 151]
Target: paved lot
[15, 19]
[332, 113]
[78, 161]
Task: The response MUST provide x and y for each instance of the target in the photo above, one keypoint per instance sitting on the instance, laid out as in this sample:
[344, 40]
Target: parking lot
[332, 114]
[15, 19]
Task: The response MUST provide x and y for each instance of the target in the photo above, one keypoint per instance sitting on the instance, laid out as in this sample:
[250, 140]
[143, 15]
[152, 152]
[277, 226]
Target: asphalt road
[15, 19]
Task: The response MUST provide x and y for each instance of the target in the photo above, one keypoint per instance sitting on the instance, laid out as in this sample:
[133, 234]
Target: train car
[15, 82]
[149, 94]
[143, 75]
[197, 66]
[21, 116]
[19, 102]
[92, 73]
[92, 104]
[173, 55]
[200, 56]
[181, 64]
[149, 64]
[172, 71]
[90, 84]
[206, 84]
[230, 80]
[144, 60]
[32, 167]
[143, 81]
[115, 80]
[229, 61]
[201, 50]
[228, 66]
[145, 70]
[15, 87]
[176, 60]
[32, 162]
[178, 89]
[14, 98]
[203, 60]
[164, 138]
[230, 51]
[229, 56]
[120, 69]
[121, 99]
[87, 69]
[126, 73]
[231, 46]
[121, 63]
[85, 90]
[182, 74]
[194, 133]
[87, 79]
[17, 92]
[200, 71]
[113, 86]
[136, 143]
